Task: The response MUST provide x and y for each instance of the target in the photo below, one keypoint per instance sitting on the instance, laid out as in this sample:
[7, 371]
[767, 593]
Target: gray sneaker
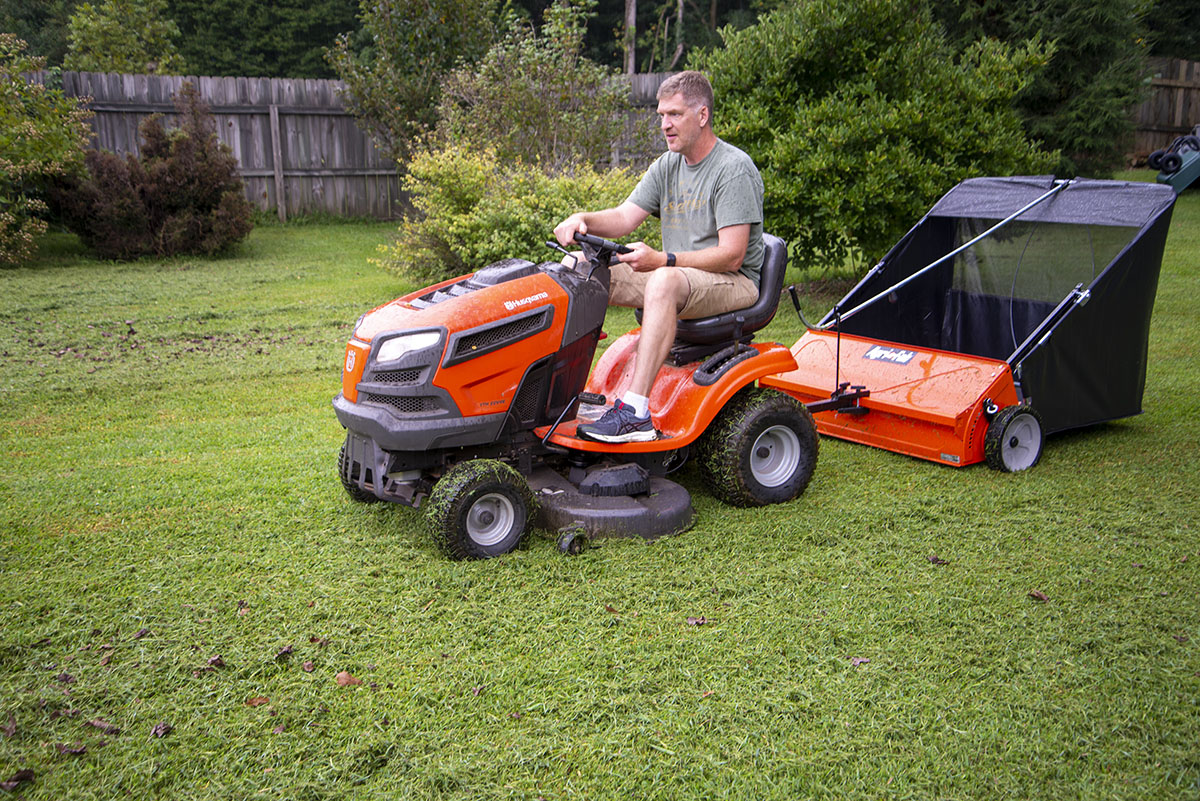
[619, 424]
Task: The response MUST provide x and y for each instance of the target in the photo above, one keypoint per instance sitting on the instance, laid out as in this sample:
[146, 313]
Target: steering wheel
[595, 247]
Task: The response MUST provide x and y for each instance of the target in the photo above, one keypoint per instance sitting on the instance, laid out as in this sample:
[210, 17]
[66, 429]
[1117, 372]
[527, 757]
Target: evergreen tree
[262, 38]
[104, 38]
[1081, 103]
[41, 25]
[1175, 29]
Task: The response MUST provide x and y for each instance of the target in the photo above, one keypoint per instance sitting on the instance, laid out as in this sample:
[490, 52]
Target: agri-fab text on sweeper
[1017, 307]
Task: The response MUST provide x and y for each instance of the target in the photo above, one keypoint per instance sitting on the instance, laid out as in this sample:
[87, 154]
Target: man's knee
[669, 282]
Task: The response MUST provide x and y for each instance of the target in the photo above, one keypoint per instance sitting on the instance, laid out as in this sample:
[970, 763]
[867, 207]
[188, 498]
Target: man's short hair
[694, 87]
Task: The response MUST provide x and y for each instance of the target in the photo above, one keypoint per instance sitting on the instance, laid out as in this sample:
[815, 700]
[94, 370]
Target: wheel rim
[775, 456]
[491, 519]
[1022, 443]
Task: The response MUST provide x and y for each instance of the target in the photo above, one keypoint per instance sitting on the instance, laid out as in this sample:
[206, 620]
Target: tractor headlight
[399, 347]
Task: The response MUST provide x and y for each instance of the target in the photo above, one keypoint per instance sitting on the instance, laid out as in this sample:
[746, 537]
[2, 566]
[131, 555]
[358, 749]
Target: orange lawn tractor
[464, 398]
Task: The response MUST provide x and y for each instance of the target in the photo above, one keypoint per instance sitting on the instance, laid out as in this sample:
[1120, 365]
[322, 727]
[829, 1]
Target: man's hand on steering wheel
[643, 258]
[565, 231]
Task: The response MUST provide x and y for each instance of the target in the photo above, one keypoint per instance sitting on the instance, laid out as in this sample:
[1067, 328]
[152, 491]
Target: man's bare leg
[666, 293]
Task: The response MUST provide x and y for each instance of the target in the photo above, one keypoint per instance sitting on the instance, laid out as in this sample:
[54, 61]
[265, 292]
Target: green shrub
[859, 117]
[183, 195]
[534, 96]
[42, 135]
[473, 208]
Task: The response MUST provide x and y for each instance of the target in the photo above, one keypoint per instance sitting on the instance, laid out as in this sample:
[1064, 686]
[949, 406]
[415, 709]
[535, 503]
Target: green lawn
[176, 548]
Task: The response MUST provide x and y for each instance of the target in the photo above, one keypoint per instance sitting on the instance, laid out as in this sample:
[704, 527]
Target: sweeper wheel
[479, 509]
[1014, 439]
[761, 449]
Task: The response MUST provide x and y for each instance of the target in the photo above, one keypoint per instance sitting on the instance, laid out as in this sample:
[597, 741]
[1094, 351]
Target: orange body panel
[681, 408]
[925, 403]
[482, 385]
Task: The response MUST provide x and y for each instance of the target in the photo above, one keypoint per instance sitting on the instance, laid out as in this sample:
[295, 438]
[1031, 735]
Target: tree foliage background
[394, 85]
[859, 114]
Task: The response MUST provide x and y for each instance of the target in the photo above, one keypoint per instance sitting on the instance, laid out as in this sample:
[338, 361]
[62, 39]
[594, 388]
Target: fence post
[277, 158]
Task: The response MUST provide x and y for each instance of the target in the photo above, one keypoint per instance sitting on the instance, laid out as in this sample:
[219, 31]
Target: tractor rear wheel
[479, 509]
[1014, 439]
[761, 449]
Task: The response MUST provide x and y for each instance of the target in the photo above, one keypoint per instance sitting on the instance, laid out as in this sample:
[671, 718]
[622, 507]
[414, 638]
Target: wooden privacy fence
[297, 148]
[1173, 108]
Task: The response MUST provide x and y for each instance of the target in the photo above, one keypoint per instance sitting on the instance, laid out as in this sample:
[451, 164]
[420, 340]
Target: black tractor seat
[703, 336]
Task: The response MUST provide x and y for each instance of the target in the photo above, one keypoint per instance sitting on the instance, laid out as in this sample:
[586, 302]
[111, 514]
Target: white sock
[640, 403]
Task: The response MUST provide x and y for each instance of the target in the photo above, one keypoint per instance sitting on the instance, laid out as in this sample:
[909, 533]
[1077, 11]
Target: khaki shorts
[708, 294]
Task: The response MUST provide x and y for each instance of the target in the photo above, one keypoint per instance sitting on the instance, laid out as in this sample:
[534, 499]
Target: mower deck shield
[923, 402]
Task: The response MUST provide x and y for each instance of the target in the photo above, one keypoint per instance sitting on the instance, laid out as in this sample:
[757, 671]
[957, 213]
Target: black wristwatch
[670, 259]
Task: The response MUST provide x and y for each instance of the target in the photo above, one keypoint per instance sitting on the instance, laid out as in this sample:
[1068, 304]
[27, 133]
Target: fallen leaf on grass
[707, 693]
[65, 678]
[216, 661]
[280, 729]
[104, 660]
[74, 750]
[284, 653]
[1181, 638]
[697, 621]
[610, 609]
[258, 700]
[308, 667]
[161, 729]
[344, 679]
[937, 560]
[477, 690]
[104, 726]
[321, 642]
[859, 660]
[141, 633]
[16, 779]
[1038, 595]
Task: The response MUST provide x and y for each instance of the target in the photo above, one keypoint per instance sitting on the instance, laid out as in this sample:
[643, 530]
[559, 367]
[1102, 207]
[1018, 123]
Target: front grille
[408, 376]
[496, 336]
[406, 404]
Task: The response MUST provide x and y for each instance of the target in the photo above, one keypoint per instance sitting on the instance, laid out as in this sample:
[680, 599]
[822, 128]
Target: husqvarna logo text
[516, 304]
[893, 355]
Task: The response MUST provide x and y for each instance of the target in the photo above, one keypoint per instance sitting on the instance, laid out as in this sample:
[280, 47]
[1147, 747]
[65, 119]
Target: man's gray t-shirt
[694, 202]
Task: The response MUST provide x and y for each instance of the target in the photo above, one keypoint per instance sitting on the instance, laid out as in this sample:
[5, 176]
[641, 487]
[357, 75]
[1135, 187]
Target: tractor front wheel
[479, 509]
[1014, 439]
[761, 449]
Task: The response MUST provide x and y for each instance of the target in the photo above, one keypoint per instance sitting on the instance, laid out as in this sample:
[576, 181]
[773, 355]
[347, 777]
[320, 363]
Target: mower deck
[664, 509]
[922, 402]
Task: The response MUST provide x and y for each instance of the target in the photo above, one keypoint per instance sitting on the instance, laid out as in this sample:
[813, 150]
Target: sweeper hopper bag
[1017, 307]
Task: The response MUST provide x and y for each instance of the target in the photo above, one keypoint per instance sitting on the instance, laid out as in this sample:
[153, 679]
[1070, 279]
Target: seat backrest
[723, 327]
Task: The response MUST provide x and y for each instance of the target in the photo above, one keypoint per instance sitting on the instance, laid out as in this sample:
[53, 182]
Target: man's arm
[726, 257]
[610, 223]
